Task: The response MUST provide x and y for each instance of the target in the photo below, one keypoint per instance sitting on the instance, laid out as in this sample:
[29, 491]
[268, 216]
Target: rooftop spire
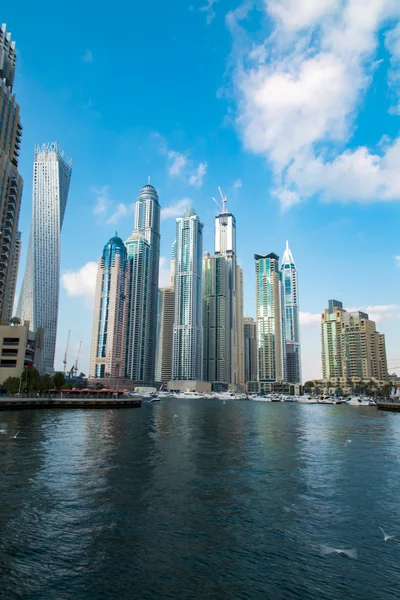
[287, 256]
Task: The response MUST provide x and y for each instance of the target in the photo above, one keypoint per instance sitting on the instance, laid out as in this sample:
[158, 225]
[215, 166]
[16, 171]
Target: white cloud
[309, 318]
[117, 215]
[209, 10]
[196, 179]
[397, 259]
[164, 275]
[179, 161]
[81, 283]
[392, 42]
[105, 208]
[88, 56]
[103, 200]
[379, 313]
[299, 93]
[237, 184]
[176, 209]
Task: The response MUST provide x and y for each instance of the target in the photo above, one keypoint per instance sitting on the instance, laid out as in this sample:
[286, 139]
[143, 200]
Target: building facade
[107, 356]
[216, 319]
[187, 361]
[10, 180]
[239, 326]
[291, 309]
[250, 349]
[38, 302]
[351, 346]
[20, 348]
[271, 364]
[165, 333]
[143, 255]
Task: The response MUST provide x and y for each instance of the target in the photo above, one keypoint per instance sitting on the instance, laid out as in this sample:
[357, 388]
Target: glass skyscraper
[10, 179]
[38, 301]
[291, 308]
[270, 321]
[143, 249]
[107, 357]
[187, 360]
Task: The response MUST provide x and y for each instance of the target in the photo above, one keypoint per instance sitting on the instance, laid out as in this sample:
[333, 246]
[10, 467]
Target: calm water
[224, 501]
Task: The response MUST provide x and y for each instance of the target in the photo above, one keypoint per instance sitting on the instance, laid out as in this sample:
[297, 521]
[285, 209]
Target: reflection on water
[225, 501]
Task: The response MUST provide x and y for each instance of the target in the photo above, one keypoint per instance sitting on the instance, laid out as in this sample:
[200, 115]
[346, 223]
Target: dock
[69, 399]
[389, 404]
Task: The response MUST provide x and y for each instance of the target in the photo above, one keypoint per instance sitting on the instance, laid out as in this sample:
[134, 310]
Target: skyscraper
[165, 328]
[217, 307]
[225, 245]
[10, 179]
[187, 359]
[107, 355]
[351, 346]
[291, 308]
[239, 326]
[270, 321]
[250, 350]
[143, 255]
[38, 301]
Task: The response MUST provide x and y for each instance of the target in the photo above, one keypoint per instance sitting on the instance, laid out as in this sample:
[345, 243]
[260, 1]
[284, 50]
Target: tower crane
[77, 359]
[66, 352]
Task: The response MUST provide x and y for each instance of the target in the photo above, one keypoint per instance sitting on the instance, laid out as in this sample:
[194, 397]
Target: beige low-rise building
[19, 348]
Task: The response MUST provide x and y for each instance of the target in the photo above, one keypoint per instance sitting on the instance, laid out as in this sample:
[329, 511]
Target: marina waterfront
[200, 499]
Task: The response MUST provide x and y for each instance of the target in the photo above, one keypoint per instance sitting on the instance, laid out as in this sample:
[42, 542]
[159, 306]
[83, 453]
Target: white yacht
[188, 395]
[231, 396]
[360, 401]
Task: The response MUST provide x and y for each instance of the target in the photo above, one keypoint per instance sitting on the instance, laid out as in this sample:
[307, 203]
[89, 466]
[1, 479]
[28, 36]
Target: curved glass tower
[187, 360]
[143, 249]
[110, 311]
[291, 309]
[38, 301]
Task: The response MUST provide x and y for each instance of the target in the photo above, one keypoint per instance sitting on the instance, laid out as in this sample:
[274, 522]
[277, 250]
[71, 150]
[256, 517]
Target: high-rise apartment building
[291, 309]
[143, 256]
[351, 346]
[250, 350]
[10, 179]
[187, 360]
[331, 329]
[165, 327]
[239, 326]
[38, 302]
[217, 342]
[107, 357]
[270, 321]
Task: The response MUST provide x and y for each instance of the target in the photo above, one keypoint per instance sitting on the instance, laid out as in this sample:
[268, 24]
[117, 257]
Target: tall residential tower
[143, 255]
[165, 328]
[10, 179]
[270, 321]
[38, 301]
[107, 355]
[187, 359]
[291, 309]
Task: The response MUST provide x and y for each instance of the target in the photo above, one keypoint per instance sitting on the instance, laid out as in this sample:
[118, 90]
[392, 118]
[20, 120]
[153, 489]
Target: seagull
[347, 442]
[224, 402]
[175, 416]
[389, 537]
[14, 437]
[351, 553]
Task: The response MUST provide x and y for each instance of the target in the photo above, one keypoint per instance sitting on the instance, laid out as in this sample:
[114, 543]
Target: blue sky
[291, 106]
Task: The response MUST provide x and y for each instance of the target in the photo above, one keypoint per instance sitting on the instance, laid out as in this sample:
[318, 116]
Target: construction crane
[224, 201]
[77, 359]
[66, 352]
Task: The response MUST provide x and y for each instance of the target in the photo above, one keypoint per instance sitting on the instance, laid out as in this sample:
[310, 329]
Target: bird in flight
[389, 537]
[350, 553]
[14, 437]
[175, 416]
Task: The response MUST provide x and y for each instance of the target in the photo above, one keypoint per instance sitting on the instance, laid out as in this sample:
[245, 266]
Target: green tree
[46, 383]
[339, 391]
[59, 380]
[15, 321]
[11, 385]
[31, 379]
[308, 386]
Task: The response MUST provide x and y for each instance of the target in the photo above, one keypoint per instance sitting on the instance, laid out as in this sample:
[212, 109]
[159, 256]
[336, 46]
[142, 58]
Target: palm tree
[15, 321]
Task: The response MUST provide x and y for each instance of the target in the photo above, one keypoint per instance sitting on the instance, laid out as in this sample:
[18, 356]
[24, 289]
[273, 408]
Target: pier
[71, 399]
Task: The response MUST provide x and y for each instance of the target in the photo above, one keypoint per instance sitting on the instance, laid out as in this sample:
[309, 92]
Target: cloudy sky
[291, 106]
